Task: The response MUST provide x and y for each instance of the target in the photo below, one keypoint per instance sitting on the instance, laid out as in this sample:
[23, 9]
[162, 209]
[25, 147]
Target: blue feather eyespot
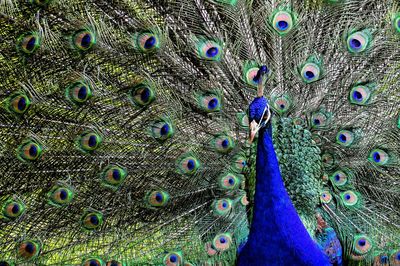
[396, 22]
[222, 242]
[60, 196]
[282, 22]
[350, 198]
[114, 263]
[209, 49]
[328, 159]
[239, 162]
[282, 104]
[359, 41]
[229, 181]
[251, 73]
[395, 257]
[84, 40]
[157, 198]
[340, 178]
[147, 42]
[310, 72]
[88, 142]
[18, 103]
[325, 197]
[243, 120]
[379, 157]
[173, 259]
[320, 119]
[142, 94]
[209, 102]
[222, 207]
[345, 138]
[162, 129]
[188, 165]
[360, 95]
[93, 262]
[91, 220]
[78, 92]
[29, 151]
[223, 144]
[113, 176]
[12, 209]
[361, 244]
[29, 249]
[29, 42]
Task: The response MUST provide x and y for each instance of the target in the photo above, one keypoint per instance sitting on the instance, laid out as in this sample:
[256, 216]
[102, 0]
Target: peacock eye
[360, 95]
[345, 138]
[29, 150]
[358, 42]
[229, 181]
[326, 197]
[29, 42]
[282, 104]
[209, 102]
[223, 144]
[379, 157]
[209, 50]
[328, 159]
[157, 198]
[162, 130]
[29, 249]
[113, 176]
[60, 196]
[173, 259]
[350, 198]
[222, 207]
[84, 40]
[92, 262]
[396, 22]
[361, 244]
[243, 119]
[19, 103]
[319, 120]
[222, 242]
[310, 72]
[12, 209]
[92, 220]
[188, 165]
[396, 257]
[142, 95]
[78, 92]
[239, 163]
[88, 142]
[340, 178]
[282, 22]
[147, 42]
[114, 263]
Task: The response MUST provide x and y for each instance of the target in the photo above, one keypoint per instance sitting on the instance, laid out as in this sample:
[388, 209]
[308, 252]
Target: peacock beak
[253, 130]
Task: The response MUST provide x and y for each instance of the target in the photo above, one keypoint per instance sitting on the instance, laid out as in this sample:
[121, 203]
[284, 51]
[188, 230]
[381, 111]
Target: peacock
[200, 132]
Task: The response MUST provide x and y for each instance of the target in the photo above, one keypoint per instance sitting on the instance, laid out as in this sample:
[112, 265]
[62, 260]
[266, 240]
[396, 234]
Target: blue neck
[277, 235]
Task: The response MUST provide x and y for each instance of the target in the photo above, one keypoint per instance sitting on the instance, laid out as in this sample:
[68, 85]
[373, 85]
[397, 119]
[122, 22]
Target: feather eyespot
[379, 157]
[93, 262]
[60, 196]
[361, 244]
[188, 165]
[88, 142]
[142, 94]
[162, 129]
[359, 41]
[222, 242]
[345, 138]
[19, 103]
[113, 176]
[282, 22]
[29, 151]
[326, 197]
[92, 220]
[222, 207]
[28, 249]
[84, 40]
[173, 259]
[114, 263]
[209, 50]
[147, 42]
[157, 198]
[78, 92]
[229, 182]
[29, 42]
[12, 209]
[223, 144]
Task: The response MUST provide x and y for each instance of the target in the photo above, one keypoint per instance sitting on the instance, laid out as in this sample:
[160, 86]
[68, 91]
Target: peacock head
[259, 114]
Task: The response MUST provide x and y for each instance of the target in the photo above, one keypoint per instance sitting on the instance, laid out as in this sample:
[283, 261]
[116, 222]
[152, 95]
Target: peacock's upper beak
[253, 130]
